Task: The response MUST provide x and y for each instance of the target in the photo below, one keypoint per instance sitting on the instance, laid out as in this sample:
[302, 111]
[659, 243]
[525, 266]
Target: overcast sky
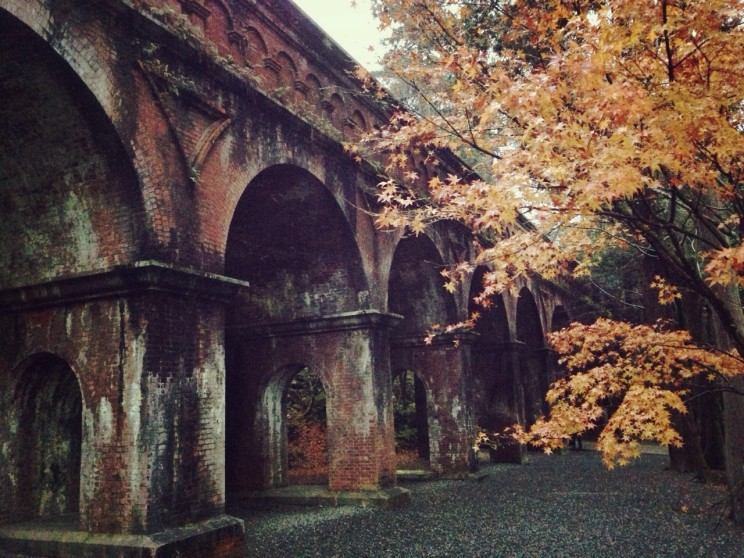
[351, 27]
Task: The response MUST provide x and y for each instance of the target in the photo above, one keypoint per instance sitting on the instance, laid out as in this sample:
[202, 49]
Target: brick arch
[358, 122]
[289, 68]
[416, 287]
[493, 379]
[41, 426]
[271, 421]
[314, 93]
[256, 47]
[333, 106]
[560, 318]
[70, 195]
[529, 326]
[286, 78]
[291, 241]
[79, 51]
[492, 324]
[533, 363]
[214, 17]
[224, 11]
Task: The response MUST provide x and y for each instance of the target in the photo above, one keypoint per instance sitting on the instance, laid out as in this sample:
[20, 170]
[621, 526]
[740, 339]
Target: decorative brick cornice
[272, 65]
[301, 86]
[446, 340]
[194, 7]
[238, 39]
[346, 321]
[140, 277]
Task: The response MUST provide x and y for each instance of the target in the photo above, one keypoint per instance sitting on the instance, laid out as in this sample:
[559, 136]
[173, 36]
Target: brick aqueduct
[181, 233]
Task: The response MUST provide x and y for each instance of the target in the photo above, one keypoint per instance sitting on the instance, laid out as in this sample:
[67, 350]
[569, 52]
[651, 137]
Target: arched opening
[42, 440]
[493, 381]
[69, 199]
[307, 430]
[291, 418]
[533, 356]
[416, 288]
[290, 240]
[411, 420]
[561, 319]
[416, 291]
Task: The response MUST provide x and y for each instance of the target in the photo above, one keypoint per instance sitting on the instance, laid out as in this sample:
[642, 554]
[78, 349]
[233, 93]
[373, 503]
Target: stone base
[512, 453]
[388, 498]
[465, 475]
[219, 537]
[415, 475]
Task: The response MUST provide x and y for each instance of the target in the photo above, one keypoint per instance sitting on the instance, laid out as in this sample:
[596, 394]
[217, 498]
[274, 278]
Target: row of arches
[290, 241]
[289, 77]
[327, 294]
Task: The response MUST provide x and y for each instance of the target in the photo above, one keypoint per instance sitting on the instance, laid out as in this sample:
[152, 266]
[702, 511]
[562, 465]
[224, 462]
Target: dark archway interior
[533, 356]
[411, 419]
[561, 319]
[68, 195]
[290, 240]
[417, 287]
[493, 389]
[492, 325]
[42, 423]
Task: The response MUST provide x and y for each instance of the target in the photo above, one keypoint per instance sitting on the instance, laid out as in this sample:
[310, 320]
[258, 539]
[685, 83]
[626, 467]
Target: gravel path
[565, 505]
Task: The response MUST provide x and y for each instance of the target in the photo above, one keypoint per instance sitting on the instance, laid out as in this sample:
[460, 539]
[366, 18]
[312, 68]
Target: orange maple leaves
[565, 108]
[641, 373]
[587, 123]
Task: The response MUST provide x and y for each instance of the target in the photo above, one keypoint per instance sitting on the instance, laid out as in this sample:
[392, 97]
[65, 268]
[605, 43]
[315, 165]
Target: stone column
[444, 367]
[350, 353]
[147, 344]
[361, 433]
[512, 397]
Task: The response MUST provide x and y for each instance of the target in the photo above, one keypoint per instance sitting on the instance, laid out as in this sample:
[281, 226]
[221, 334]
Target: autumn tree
[583, 124]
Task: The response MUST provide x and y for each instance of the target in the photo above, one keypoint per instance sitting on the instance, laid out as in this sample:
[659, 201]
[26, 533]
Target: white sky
[353, 28]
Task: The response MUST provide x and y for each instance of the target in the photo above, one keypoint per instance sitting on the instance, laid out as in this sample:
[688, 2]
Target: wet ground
[566, 505]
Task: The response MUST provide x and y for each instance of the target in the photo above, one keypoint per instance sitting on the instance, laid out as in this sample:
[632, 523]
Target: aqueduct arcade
[182, 232]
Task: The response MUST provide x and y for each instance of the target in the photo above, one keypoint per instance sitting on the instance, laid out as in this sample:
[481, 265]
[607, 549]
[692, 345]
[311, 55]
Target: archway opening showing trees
[533, 356]
[307, 443]
[411, 420]
[416, 291]
[491, 381]
[292, 242]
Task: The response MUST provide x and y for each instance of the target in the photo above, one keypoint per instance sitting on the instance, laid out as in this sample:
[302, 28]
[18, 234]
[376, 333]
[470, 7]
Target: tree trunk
[690, 456]
[733, 413]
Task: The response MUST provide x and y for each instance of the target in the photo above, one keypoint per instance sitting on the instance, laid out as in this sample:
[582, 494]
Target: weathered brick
[146, 145]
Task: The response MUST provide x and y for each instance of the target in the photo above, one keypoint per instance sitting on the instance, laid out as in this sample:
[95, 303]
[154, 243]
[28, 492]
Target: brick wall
[68, 194]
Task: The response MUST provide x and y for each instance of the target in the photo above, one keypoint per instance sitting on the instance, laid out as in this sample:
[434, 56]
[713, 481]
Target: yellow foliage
[580, 107]
[590, 123]
[643, 370]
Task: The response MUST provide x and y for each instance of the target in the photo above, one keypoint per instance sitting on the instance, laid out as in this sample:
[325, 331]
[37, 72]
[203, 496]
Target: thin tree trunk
[733, 415]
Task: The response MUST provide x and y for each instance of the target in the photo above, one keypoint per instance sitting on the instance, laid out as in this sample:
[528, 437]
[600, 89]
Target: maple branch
[456, 40]
[708, 391]
[667, 42]
[708, 222]
[614, 297]
[450, 128]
